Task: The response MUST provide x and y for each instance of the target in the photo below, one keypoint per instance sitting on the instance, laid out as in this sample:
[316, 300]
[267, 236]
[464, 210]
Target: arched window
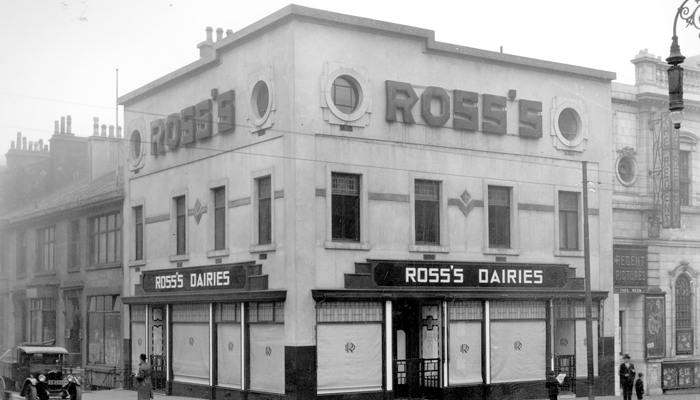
[684, 324]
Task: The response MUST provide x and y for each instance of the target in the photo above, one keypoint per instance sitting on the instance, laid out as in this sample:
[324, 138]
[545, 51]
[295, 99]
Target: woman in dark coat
[552, 386]
[144, 391]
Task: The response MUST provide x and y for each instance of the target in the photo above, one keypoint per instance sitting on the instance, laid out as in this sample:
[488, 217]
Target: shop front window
[266, 346]
[104, 327]
[42, 319]
[191, 343]
[227, 317]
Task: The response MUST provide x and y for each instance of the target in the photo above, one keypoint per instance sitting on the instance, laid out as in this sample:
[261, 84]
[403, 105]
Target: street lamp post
[675, 59]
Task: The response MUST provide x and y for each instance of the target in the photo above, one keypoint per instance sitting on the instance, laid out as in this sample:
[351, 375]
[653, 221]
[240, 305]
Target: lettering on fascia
[463, 107]
[193, 123]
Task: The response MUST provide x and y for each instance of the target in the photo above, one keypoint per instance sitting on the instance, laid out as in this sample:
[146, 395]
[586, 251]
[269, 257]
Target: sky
[60, 57]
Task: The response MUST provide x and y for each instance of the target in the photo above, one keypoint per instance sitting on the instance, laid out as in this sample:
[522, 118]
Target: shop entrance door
[158, 359]
[416, 338]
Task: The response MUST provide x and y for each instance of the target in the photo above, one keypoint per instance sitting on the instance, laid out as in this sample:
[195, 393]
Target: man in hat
[627, 375]
[144, 391]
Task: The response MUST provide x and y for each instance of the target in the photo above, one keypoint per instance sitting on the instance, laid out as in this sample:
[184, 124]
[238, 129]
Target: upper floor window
[684, 320]
[106, 239]
[427, 212]
[180, 225]
[138, 232]
[264, 187]
[219, 218]
[46, 246]
[685, 177]
[568, 221]
[74, 244]
[21, 261]
[345, 204]
[345, 94]
[499, 216]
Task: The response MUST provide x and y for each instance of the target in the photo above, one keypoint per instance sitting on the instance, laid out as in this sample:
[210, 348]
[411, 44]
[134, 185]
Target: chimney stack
[111, 131]
[24, 143]
[41, 145]
[229, 32]
[19, 140]
[219, 34]
[119, 132]
[63, 125]
[69, 131]
[104, 130]
[205, 48]
[95, 126]
[31, 145]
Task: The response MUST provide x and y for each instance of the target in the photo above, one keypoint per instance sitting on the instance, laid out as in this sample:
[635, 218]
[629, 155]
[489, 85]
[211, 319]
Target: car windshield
[52, 359]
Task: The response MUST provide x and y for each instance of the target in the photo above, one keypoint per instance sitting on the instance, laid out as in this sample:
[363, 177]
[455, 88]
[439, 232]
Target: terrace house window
[106, 239]
[46, 246]
[42, 319]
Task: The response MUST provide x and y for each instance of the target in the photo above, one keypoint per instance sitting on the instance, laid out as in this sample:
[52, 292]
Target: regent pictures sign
[469, 275]
[629, 269]
[194, 279]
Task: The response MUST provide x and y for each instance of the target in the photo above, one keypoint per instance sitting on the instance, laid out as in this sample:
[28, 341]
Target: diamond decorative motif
[466, 197]
[198, 211]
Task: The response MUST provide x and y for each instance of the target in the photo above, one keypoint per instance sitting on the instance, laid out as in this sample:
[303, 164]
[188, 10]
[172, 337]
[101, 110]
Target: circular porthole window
[136, 146]
[261, 99]
[626, 170]
[345, 94]
[569, 123]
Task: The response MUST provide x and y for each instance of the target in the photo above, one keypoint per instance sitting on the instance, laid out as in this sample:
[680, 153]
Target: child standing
[639, 386]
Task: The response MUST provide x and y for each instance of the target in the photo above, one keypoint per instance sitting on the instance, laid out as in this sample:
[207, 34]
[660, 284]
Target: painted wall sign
[193, 123]
[629, 269]
[400, 96]
[196, 278]
[446, 274]
[655, 329]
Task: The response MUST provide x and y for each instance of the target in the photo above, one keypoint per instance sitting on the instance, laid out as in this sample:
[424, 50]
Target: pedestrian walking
[627, 374]
[639, 386]
[552, 385]
[144, 391]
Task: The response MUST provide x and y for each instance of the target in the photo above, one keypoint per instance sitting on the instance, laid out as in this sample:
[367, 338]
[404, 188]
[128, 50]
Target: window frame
[363, 242]
[683, 325]
[442, 246]
[21, 257]
[116, 304]
[558, 250]
[42, 312]
[73, 258]
[175, 256]
[46, 247]
[94, 254]
[514, 248]
[213, 252]
[685, 196]
[255, 245]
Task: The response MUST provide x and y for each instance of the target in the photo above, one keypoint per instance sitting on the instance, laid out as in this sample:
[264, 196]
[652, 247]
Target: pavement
[120, 394]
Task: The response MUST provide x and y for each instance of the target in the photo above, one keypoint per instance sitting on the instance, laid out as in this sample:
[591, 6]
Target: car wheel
[77, 393]
[32, 393]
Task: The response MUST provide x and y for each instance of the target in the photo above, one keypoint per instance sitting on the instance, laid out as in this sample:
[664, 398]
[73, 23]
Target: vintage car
[38, 373]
